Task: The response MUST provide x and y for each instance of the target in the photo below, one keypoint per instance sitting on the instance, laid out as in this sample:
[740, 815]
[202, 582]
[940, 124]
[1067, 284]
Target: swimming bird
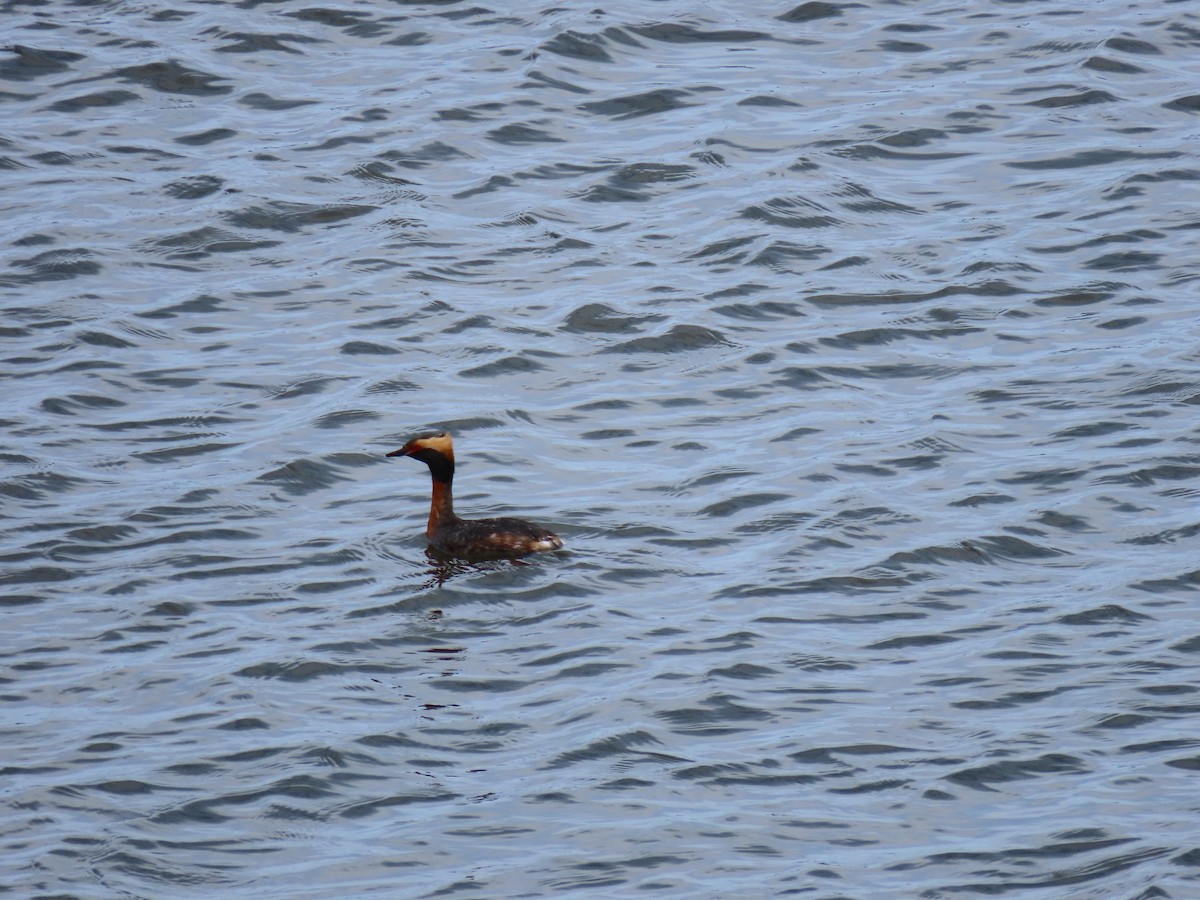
[504, 537]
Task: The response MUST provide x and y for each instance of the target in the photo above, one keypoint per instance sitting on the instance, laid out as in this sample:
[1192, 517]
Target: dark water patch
[795, 434]
[1189, 103]
[211, 422]
[199, 567]
[679, 339]
[1064, 522]
[1044, 478]
[964, 552]
[1124, 261]
[303, 476]
[1192, 644]
[744, 774]
[392, 386]
[572, 655]
[727, 251]
[251, 42]
[100, 339]
[916, 137]
[195, 187]
[346, 417]
[607, 434]
[1008, 547]
[174, 454]
[53, 265]
[882, 151]
[304, 388]
[333, 18]
[1166, 536]
[800, 378]
[1064, 847]
[779, 522]
[96, 100]
[578, 45]
[36, 575]
[914, 640]
[634, 106]
[725, 508]
[292, 217]
[203, 138]
[471, 322]
[743, 672]
[1081, 98]
[75, 404]
[842, 585]
[173, 610]
[814, 10]
[986, 777]
[411, 39]
[719, 714]
[1163, 384]
[102, 534]
[709, 480]
[427, 155]
[389, 323]
[1108, 614]
[269, 103]
[1111, 66]
[512, 365]
[599, 318]
[883, 336]
[766, 100]
[865, 469]
[519, 133]
[990, 289]
[1093, 429]
[203, 303]
[29, 63]
[55, 157]
[791, 212]
[632, 182]
[1088, 158]
[894, 46]
[148, 154]
[629, 743]
[172, 78]
[829, 755]
[1132, 45]
[167, 378]
[307, 670]
[1126, 720]
[788, 256]
[677, 33]
[1144, 477]
[487, 686]
[182, 535]
[367, 348]
[203, 242]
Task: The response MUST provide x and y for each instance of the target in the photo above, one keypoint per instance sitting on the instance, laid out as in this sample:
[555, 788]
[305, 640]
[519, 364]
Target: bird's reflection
[443, 567]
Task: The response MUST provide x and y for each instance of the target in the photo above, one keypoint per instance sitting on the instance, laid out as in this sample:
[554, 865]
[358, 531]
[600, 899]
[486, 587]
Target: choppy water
[850, 346]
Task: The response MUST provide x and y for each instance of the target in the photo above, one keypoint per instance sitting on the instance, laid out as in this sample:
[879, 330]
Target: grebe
[465, 537]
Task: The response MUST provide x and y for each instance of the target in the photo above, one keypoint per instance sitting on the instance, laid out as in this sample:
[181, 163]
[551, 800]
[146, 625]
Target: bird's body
[447, 533]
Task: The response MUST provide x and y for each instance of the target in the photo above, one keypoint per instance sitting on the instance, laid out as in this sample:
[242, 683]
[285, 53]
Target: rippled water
[849, 346]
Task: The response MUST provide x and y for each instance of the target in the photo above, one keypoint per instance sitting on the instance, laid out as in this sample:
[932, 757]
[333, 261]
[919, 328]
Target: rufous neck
[441, 507]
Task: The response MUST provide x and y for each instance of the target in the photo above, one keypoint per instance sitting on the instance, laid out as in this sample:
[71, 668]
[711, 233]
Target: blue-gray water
[851, 347]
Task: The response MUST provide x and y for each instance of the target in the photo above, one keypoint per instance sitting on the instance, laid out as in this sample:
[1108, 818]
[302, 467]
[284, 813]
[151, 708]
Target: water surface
[849, 346]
